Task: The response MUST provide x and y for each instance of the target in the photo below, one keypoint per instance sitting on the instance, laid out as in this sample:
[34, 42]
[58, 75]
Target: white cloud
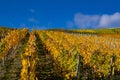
[85, 21]
[96, 21]
[110, 20]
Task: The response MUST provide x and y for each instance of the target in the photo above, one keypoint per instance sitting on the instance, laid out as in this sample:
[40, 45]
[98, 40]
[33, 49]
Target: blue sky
[68, 14]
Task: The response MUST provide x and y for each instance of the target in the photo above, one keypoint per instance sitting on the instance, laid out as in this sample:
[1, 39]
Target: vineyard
[59, 55]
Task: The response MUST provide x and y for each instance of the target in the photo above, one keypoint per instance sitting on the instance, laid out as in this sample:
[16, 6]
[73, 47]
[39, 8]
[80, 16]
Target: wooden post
[79, 67]
[112, 67]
